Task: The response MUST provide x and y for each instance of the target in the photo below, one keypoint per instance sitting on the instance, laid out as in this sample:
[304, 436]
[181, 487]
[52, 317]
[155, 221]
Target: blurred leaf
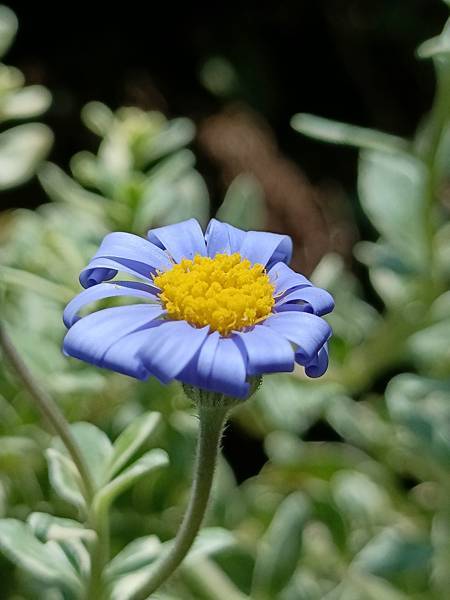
[97, 117]
[392, 191]
[423, 407]
[46, 562]
[62, 188]
[22, 148]
[64, 478]
[343, 133]
[358, 496]
[437, 46]
[391, 552]
[243, 205]
[279, 550]
[8, 28]
[177, 133]
[28, 102]
[219, 77]
[131, 439]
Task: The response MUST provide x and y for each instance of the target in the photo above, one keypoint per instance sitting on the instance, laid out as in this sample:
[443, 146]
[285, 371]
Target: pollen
[226, 292]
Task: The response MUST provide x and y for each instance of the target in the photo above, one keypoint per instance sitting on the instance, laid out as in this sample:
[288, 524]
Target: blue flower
[217, 308]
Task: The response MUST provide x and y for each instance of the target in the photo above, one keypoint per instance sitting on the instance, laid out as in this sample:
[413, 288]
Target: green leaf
[46, 562]
[279, 549]
[95, 448]
[131, 439]
[25, 103]
[8, 28]
[422, 405]
[243, 205]
[64, 478]
[343, 133]
[150, 461]
[22, 148]
[392, 192]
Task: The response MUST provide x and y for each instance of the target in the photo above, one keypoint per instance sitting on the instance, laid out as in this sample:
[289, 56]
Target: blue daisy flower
[217, 308]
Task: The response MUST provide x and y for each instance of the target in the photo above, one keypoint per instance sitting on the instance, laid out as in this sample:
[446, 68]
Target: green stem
[49, 409]
[212, 420]
[99, 556]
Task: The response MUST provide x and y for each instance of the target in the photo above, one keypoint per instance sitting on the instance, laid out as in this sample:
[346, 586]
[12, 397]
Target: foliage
[365, 516]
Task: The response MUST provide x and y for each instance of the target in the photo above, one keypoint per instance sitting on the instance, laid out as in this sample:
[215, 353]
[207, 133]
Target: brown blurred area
[238, 140]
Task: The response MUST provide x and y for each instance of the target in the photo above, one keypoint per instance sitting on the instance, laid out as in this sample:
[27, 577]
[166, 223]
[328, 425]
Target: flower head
[217, 308]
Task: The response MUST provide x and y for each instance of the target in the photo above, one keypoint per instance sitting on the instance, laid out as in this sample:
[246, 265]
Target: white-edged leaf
[22, 148]
[48, 527]
[46, 562]
[343, 133]
[137, 554]
[131, 439]
[150, 461]
[64, 478]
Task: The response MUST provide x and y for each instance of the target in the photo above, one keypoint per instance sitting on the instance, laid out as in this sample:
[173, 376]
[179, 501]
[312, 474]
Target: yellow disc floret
[226, 292]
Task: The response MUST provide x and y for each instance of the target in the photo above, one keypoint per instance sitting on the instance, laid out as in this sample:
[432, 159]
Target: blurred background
[131, 117]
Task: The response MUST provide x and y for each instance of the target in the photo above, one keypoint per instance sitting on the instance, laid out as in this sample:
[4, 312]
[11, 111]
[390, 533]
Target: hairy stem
[212, 420]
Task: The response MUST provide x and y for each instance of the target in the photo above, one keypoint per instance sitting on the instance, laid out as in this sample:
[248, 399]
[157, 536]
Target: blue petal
[308, 332]
[106, 290]
[266, 350]
[285, 279]
[319, 364]
[219, 367]
[182, 240]
[222, 238]
[92, 337]
[124, 252]
[266, 248]
[319, 301]
[170, 347]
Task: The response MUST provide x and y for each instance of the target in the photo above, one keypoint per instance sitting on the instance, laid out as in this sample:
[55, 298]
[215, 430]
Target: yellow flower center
[225, 292]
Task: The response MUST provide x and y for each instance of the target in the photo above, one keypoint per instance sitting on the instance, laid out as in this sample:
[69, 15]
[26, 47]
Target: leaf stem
[212, 420]
[49, 409]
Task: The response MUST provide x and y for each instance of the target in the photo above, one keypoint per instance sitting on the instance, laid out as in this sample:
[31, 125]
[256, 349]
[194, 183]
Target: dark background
[352, 60]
